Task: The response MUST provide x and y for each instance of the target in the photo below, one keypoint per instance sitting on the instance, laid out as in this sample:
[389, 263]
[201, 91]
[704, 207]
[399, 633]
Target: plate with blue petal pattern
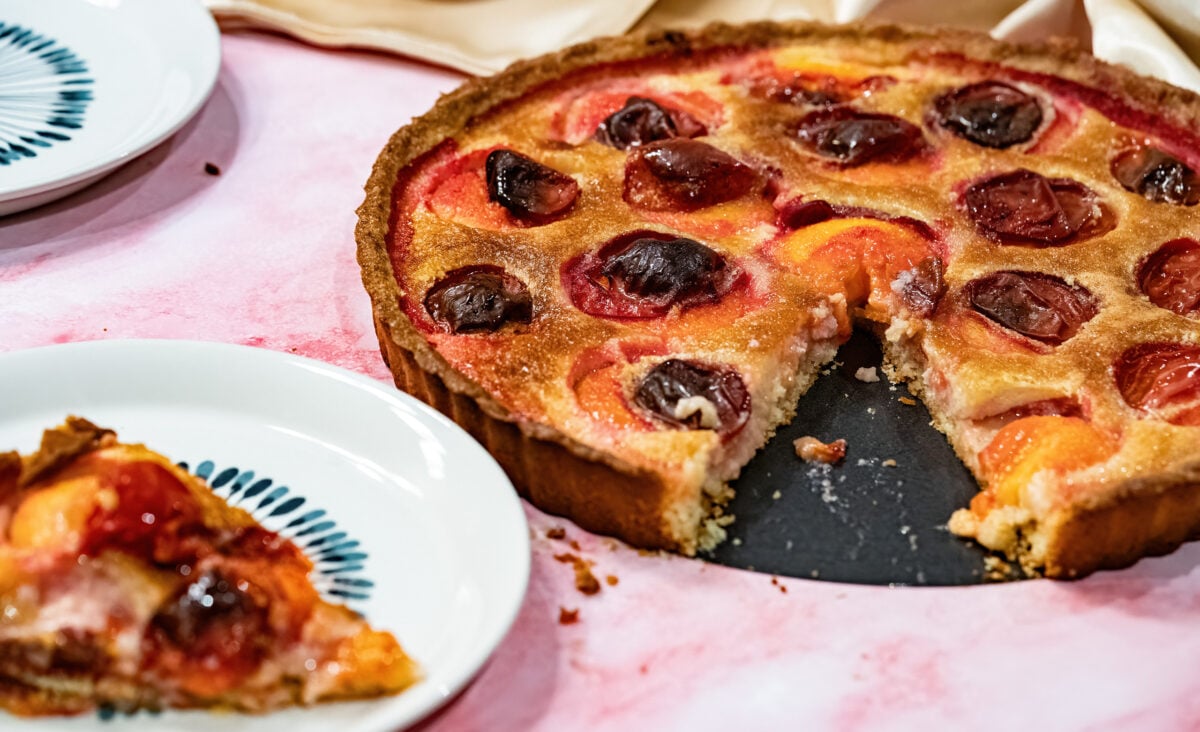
[88, 85]
[407, 519]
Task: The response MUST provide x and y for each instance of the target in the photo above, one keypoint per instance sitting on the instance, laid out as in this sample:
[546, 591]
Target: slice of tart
[126, 584]
[619, 266]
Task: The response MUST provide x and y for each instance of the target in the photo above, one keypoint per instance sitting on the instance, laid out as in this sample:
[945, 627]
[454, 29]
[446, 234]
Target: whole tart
[619, 266]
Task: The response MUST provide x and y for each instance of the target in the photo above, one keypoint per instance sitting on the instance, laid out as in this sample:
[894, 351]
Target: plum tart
[619, 267]
[127, 584]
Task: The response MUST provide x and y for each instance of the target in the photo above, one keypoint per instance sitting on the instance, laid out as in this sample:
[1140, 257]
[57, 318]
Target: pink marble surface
[264, 255]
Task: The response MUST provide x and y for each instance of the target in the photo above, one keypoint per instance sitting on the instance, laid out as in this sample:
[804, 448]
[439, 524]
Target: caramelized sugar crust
[847, 199]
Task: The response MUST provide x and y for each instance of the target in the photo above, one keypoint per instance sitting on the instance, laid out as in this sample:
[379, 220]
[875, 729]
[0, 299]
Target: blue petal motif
[45, 90]
[338, 560]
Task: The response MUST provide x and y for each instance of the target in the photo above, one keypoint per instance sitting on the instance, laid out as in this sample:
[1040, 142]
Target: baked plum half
[1157, 176]
[533, 193]
[1036, 305]
[1170, 277]
[644, 274]
[685, 175]
[694, 396]
[1024, 207]
[642, 121]
[480, 299]
[852, 137]
[989, 113]
[1162, 379]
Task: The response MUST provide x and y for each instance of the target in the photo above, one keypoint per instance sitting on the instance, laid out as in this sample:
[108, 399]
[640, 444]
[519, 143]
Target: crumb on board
[585, 581]
[612, 580]
[737, 541]
[996, 569]
[568, 617]
[889, 463]
[575, 545]
[211, 169]
[810, 449]
[556, 533]
[867, 374]
[909, 401]
[776, 495]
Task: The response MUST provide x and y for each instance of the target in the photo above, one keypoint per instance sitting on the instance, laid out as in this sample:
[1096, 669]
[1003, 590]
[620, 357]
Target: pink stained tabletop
[263, 254]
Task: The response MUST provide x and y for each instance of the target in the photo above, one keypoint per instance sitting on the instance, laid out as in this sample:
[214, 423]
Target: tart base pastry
[619, 267]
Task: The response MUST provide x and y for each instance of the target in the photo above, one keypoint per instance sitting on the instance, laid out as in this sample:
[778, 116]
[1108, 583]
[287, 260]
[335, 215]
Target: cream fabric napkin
[1156, 37]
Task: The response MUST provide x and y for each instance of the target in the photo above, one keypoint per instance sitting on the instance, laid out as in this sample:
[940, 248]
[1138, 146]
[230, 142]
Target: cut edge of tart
[127, 584]
[1140, 499]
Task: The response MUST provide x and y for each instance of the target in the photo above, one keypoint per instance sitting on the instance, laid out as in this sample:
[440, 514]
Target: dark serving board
[859, 521]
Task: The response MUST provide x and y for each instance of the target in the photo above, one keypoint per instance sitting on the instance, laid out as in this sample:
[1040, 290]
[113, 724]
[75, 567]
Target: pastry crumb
[736, 541]
[810, 449]
[996, 569]
[211, 169]
[909, 401]
[556, 533]
[612, 580]
[585, 581]
[867, 374]
[776, 495]
[889, 463]
[568, 617]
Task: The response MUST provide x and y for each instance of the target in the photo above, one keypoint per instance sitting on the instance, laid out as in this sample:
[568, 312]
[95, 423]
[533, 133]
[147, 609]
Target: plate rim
[431, 692]
[208, 37]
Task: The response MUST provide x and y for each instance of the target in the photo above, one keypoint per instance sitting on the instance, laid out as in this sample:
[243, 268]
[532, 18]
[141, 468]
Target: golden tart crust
[518, 390]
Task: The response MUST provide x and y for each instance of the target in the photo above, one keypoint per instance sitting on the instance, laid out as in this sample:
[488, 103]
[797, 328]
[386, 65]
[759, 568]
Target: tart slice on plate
[127, 584]
[621, 265]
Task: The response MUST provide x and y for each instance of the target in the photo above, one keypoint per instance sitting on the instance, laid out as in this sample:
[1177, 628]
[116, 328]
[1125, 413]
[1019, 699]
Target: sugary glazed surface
[127, 584]
[1018, 225]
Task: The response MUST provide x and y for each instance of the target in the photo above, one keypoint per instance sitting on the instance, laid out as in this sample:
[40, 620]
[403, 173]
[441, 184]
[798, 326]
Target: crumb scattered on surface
[736, 541]
[556, 533]
[211, 169]
[909, 401]
[867, 374]
[575, 545]
[870, 410]
[810, 449]
[568, 617]
[815, 573]
[776, 495]
[585, 581]
[775, 581]
[996, 569]
[889, 463]
[612, 580]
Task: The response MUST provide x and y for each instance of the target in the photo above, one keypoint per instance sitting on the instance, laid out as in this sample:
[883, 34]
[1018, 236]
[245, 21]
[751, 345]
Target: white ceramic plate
[444, 537]
[88, 85]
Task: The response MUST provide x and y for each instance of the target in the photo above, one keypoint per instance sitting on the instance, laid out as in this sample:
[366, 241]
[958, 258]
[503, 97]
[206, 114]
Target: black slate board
[859, 521]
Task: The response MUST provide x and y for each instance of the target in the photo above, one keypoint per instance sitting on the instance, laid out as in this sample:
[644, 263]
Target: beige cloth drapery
[1156, 37]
